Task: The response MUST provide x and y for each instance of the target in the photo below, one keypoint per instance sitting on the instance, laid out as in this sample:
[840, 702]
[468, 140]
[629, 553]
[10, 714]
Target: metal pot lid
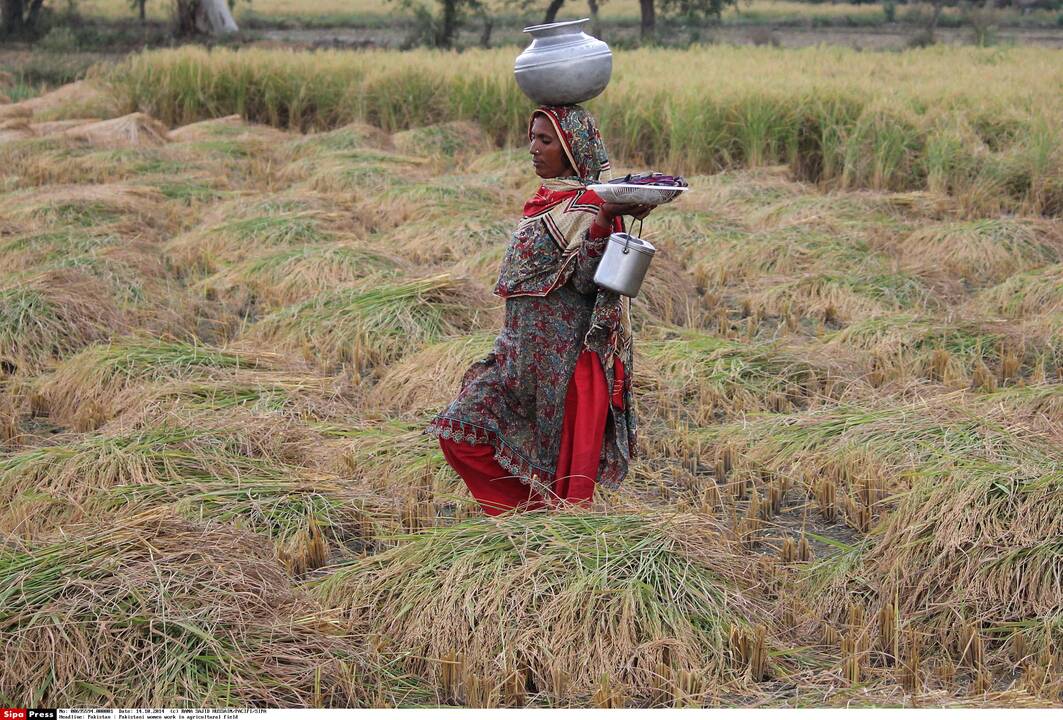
[633, 243]
[551, 26]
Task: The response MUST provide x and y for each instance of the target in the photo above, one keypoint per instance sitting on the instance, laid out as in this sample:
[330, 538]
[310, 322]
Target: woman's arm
[587, 258]
[597, 236]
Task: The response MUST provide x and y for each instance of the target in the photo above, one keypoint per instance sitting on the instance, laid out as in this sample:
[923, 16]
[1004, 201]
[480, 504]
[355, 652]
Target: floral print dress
[513, 399]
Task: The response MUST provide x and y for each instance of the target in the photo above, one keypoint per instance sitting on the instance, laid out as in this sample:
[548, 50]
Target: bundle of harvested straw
[558, 601]
[162, 612]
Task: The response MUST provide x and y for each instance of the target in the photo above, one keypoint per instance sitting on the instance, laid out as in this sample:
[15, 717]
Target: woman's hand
[608, 211]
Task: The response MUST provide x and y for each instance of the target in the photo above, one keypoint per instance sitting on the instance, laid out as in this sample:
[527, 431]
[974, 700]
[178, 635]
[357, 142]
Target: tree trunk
[208, 17]
[449, 25]
[649, 20]
[937, 4]
[33, 15]
[141, 11]
[552, 10]
[488, 26]
[12, 17]
[596, 23]
[213, 17]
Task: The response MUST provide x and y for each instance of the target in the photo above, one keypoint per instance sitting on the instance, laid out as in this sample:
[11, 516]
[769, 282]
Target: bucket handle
[627, 240]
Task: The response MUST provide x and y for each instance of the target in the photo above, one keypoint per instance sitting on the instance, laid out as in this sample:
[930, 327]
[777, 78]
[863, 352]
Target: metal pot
[563, 65]
[624, 264]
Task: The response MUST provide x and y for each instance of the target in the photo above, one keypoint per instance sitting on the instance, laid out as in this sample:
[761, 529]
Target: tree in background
[554, 7]
[20, 17]
[441, 30]
[196, 17]
[552, 10]
[692, 11]
[204, 17]
[648, 22]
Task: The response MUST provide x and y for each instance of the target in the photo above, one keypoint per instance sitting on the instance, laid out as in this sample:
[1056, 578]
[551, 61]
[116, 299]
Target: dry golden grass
[120, 208]
[1029, 293]
[427, 380]
[980, 354]
[849, 402]
[368, 328]
[160, 611]
[285, 277]
[82, 99]
[573, 605]
[230, 127]
[447, 140]
[968, 568]
[236, 228]
[145, 375]
[46, 316]
[703, 378]
[175, 171]
[669, 296]
[985, 251]
[133, 130]
[253, 470]
[13, 408]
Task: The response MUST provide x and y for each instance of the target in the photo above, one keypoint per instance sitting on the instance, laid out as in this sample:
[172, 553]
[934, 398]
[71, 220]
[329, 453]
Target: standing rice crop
[814, 109]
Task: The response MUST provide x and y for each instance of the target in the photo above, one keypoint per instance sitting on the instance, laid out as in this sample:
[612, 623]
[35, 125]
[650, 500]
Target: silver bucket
[624, 264]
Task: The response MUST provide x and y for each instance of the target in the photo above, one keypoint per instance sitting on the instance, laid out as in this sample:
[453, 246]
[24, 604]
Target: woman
[548, 412]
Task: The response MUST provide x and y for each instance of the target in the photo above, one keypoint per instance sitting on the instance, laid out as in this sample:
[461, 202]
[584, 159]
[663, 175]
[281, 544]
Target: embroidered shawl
[568, 209]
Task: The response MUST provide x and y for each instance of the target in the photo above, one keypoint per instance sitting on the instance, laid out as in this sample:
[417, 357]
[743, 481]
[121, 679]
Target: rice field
[220, 338]
[977, 124]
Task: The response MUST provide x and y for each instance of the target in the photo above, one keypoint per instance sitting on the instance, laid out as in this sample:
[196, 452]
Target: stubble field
[219, 341]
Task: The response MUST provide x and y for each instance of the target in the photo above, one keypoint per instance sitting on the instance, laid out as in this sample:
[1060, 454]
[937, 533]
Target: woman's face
[548, 155]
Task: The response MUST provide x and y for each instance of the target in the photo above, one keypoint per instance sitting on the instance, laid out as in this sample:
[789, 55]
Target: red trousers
[582, 432]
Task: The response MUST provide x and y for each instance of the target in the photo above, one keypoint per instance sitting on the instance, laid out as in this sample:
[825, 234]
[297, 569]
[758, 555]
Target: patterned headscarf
[580, 139]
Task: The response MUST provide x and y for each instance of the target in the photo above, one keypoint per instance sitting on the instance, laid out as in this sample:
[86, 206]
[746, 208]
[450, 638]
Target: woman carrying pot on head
[548, 412]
